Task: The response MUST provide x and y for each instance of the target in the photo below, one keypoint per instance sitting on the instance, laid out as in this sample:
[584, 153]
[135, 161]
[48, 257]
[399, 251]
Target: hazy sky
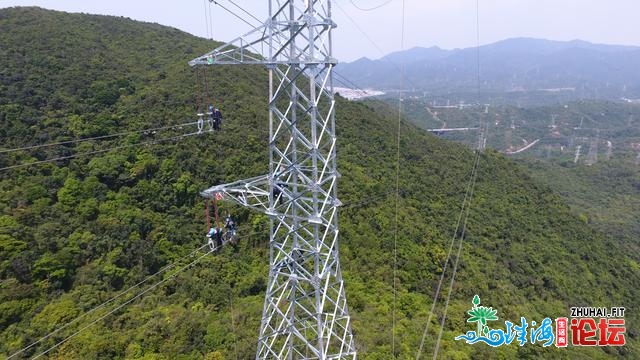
[445, 23]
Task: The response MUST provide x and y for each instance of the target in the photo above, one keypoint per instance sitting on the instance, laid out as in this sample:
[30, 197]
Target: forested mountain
[519, 69]
[75, 232]
[605, 194]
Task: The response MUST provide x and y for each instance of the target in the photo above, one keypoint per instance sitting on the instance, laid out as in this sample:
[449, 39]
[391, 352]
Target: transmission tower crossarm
[252, 193]
[268, 44]
[242, 50]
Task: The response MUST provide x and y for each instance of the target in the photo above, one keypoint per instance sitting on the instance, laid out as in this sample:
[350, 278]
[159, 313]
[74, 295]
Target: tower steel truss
[305, 309]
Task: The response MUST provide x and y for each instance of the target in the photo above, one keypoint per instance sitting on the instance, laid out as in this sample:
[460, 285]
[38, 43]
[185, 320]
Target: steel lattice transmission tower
[305, 310]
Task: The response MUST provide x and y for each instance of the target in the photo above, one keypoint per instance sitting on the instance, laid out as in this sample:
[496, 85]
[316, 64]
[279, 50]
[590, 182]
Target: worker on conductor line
[217, 118]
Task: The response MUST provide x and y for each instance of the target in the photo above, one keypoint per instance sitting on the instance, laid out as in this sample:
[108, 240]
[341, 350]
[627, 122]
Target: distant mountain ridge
[512, 65]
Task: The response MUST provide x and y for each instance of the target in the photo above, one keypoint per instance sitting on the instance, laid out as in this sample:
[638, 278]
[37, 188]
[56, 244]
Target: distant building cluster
[631, 101]
[356, 94]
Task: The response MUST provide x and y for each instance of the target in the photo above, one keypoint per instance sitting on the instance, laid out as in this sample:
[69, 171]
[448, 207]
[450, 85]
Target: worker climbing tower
[305, 311]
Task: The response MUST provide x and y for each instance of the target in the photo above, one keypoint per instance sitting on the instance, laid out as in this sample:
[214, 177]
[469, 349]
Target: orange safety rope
[215, 208]
[198, 91]
[206, 214]
[206, 89]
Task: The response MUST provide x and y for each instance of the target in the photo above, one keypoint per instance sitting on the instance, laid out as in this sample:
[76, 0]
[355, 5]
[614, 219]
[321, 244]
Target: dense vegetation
[74, 233]
[606, 194]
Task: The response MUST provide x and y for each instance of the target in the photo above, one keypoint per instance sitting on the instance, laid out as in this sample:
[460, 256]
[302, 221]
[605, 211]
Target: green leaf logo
[481, 315]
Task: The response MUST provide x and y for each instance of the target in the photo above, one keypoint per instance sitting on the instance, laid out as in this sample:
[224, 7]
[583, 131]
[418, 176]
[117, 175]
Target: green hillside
[606, 194]
[76, 232]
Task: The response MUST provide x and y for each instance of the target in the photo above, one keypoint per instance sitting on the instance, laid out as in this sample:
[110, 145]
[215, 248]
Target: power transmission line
[466, 208]
[103, 304]
[458, 254]
[171, 277]
[482, 125]
[234, 13]
[97, 151]
[446, 263]
[345, 81]
[395, 235]
[364, 33]
[206, 19]
[174, 264]
[304, 228]
[244, 11]
[101, 137]
[371, 8]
